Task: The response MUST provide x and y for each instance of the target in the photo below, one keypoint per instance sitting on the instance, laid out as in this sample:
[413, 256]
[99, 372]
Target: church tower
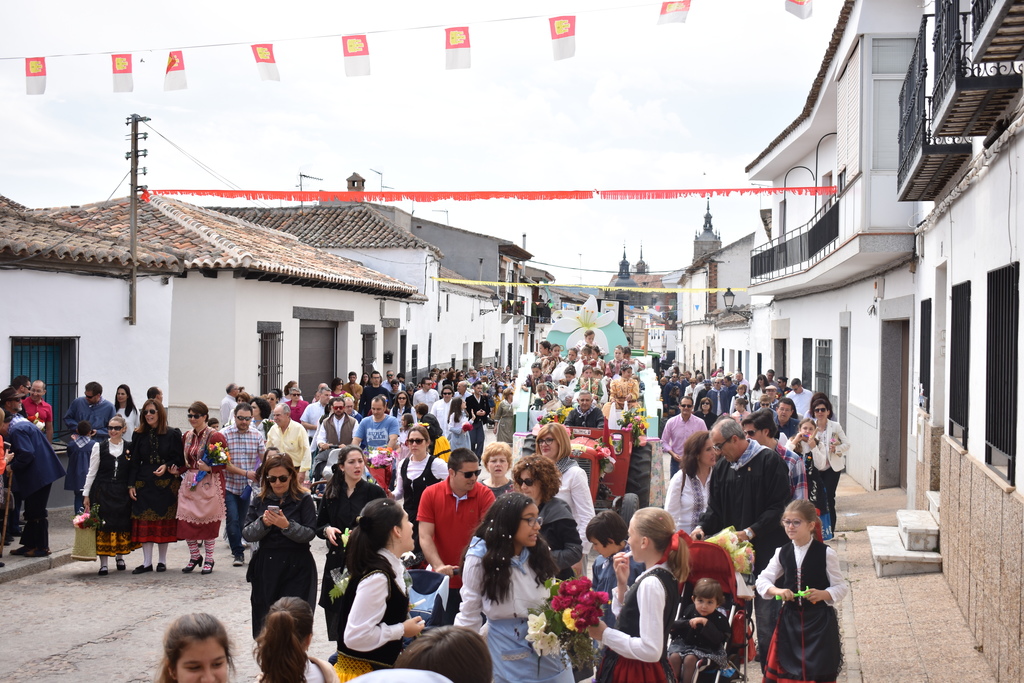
[708, 240]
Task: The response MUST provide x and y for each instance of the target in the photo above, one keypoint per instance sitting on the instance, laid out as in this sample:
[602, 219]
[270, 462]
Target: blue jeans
[236, 509]
[673, 467]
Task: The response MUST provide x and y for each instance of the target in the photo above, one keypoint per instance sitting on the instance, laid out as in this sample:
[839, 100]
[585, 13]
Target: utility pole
[303, 176]
[133, 156]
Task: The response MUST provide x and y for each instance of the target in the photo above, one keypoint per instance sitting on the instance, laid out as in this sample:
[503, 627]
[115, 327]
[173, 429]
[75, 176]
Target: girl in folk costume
[200, 504]
[507, 563]
[806, 645]
[374, 612]
[635, 650]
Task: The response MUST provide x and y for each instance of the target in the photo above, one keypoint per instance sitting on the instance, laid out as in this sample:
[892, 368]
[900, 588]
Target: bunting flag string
[356, 52]
[535, 195]
[498, 283]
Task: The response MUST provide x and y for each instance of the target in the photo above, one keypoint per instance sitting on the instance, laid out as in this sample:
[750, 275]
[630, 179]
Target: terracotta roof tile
[176, 234]
[331, 227]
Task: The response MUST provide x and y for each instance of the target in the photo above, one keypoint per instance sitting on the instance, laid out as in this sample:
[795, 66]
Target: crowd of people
[763, 459]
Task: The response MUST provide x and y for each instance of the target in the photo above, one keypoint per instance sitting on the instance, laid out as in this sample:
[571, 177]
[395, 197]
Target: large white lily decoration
[587, 318]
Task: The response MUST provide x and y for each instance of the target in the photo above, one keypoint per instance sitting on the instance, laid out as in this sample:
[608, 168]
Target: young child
[79, 452]
[635, 650]
[701, 633]
[456, 430]
[815, 484]
[608, 534]
[805, 646]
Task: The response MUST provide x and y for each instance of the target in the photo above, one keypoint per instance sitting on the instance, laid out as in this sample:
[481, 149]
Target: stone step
[933, 503]
[918, 530]
[892, 559]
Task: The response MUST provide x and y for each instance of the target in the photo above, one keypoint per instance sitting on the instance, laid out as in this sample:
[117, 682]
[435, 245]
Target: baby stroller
[711, 561]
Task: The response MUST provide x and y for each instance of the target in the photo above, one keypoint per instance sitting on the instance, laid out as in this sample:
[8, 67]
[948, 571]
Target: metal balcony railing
[980, 10]
[913, 118]
[952, 52]
[797, 250]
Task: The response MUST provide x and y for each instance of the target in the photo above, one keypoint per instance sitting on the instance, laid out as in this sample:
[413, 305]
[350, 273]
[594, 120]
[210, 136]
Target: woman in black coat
[538, 478]
[347, 494]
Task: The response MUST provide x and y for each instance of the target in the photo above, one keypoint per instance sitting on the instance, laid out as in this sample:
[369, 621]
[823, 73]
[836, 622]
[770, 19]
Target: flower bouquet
[215, 455]
[86, 525]
[635, 420]
[741, 552]
[380, 462]
[560, 626]
[558, 416]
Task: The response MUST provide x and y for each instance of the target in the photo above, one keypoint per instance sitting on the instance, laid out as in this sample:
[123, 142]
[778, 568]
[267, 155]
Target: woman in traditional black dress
[153, 481]
[347, 494]
[106, 487]
[282, 517]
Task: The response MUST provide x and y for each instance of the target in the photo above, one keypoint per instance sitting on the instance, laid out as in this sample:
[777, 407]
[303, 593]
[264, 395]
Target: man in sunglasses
[426, 393]
[449, 513]
[91, 408]
[749, 491]
[35, 468]
[246, 446]
[441, 408]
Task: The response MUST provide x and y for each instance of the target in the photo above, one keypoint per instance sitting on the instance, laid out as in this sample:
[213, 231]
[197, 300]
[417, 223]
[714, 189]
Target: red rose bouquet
[560, 626]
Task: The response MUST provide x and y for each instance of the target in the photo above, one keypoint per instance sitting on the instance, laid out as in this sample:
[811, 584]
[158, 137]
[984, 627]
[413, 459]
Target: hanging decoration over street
[357, 55]
[801, 8]
[356, 48]
[563, 37]
[174, 77]
[35, 75]
[456, 48]
[674, 12]
[265, 62]
[121, 67]
[533, 195]
[674, 290]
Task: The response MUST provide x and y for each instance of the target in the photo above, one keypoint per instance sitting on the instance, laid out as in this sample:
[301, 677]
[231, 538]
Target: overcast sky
[640, 106]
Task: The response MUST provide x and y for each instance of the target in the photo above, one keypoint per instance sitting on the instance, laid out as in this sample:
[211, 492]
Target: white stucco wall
[110, 351]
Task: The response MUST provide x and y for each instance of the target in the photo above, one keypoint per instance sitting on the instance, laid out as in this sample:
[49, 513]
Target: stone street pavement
[65, 623]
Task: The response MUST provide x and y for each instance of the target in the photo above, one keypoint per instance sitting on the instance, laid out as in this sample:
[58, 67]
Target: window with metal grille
[1003, 303]
[270, 370]
[54, 360]
[960, 361]
[823, 366]
[925, 353]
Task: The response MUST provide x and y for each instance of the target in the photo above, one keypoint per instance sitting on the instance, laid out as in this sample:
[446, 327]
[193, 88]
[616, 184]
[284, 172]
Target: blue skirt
[514, 659]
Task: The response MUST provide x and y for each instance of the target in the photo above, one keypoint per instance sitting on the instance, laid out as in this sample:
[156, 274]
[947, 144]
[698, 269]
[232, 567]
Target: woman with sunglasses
[106, 486]
[153, 480]
[347, 494]
[706, 412]
[401, 405]
[506, 566]
[282, 517]
[416, 473]
[538, 478]
[828, 445]
[200, 502]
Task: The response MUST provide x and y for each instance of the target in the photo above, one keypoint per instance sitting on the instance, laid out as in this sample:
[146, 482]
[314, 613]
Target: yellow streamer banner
[492, 283]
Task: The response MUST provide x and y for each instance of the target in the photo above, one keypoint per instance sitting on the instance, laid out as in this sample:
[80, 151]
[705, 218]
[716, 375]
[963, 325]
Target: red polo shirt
[454, 520]
[42, 410]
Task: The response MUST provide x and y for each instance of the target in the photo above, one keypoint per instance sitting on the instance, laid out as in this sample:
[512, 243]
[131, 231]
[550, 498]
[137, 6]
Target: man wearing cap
[35, 468]
[92, 408]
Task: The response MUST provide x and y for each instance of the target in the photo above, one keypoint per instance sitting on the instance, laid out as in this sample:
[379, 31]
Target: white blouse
[132, 423]
[651, 602]
[416, 467]
[575, 491]
[94, 464]
[365, 630]
[525, 594]
[679, 500]
[838, 588]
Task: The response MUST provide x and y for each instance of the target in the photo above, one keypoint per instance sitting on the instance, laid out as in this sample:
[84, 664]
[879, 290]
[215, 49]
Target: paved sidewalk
[62, 538]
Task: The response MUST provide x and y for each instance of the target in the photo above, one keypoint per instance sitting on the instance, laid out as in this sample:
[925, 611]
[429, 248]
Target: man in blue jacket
[35, 467]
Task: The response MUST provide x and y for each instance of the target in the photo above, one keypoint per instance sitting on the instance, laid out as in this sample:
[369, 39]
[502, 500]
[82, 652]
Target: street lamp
[729, 298]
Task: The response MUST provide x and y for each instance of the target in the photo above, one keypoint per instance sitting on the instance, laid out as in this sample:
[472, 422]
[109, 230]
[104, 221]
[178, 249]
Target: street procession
[609, 342]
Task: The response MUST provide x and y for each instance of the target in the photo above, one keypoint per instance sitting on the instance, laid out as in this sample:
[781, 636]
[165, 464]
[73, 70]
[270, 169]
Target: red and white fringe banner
[536, 195]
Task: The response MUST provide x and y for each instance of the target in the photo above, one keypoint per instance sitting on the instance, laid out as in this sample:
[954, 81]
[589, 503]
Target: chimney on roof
[356, 183]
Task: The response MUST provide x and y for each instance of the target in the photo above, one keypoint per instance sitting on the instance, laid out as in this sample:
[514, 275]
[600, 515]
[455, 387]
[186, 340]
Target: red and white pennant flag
[674, 12]
[801, 8]
[265, 62]
[35, 75]
[121, 67]
[174, 77]
[563, 36]
[456, 48]
[357, 55]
